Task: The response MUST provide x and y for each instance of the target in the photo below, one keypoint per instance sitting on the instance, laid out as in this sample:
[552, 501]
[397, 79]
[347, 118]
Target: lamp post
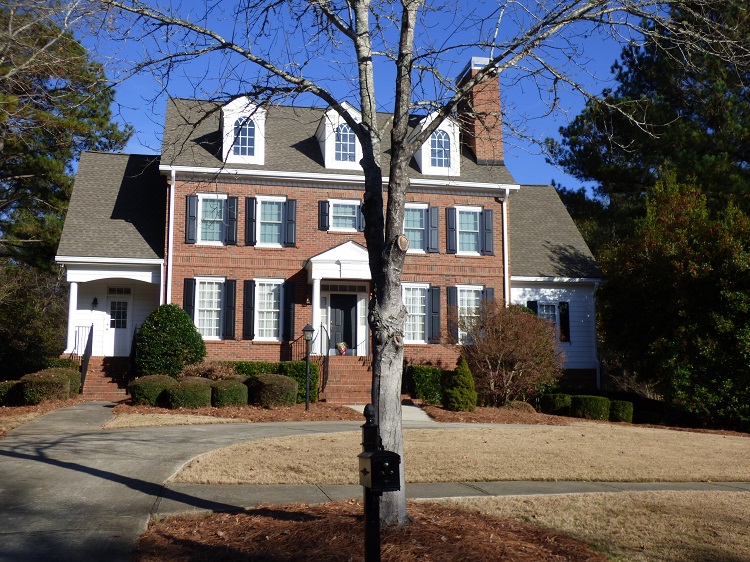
[308, 332]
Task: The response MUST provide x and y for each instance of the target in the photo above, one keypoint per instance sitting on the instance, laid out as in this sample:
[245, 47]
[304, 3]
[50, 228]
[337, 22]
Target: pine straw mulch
[506, 414]
[335, 532]
[319, 411]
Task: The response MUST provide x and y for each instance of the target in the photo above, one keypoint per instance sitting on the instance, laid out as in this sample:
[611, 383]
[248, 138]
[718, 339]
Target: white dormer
[243, 128]
[440, 154]
[338, 143]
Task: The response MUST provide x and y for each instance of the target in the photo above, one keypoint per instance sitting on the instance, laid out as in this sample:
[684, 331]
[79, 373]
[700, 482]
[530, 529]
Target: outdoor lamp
[308, 331]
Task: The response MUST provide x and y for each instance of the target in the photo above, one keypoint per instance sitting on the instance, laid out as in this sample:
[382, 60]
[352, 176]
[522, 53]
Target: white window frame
[259, 200]
[478, 212]
[238, 109]
[423, 287]
[437, 151]
[348, 202]
[554, 318]
[462, 335]
[199, 226]
[326, 135]
[423, 155]
[198, 282]
[339, 145]
[256, 312]
[425, 208]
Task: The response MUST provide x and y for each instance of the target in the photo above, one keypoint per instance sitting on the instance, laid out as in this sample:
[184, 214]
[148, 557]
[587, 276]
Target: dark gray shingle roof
[117, 209]
[192, 137]
[544, 240]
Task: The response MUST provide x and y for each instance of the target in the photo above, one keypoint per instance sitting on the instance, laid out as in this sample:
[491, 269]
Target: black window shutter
[231, 230]
[488, 236]
[248, 312]
[453, 312]
[564, 321]
[450, 230]
[290, 223]
[188, 297]
[488, 294]
[434, 319]
[360, 218]
[432, 230]
[533, 306]
[250, 210]
[230, 298]
[290, 298]
[191, 220]
[323, 215]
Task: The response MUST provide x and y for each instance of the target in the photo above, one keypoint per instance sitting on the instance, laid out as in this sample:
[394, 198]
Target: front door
[344, 323]
[117, 329]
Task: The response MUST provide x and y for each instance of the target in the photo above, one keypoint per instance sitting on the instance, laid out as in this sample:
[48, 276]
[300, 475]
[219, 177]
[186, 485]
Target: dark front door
[344, 322]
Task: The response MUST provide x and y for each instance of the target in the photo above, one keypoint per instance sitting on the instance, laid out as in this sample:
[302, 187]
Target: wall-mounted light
[94, 303]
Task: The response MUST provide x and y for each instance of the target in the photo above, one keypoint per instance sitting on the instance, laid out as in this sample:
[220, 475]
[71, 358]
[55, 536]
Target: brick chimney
[481, 123]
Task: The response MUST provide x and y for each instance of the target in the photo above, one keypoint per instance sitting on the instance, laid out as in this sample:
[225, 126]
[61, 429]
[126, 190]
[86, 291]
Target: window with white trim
[468, 230]
[440, 149]
[211, 219]
[469, 301]
[208, 307]
[415, 227]
[345, 144]
[415, 297]
[439, 155]
[270, 221]
[268, 309]
[340, 215]
[243, 132]
[548, 312]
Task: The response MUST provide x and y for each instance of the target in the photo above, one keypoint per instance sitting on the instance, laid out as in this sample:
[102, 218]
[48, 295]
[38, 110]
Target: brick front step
[106, 378]
[349, 380]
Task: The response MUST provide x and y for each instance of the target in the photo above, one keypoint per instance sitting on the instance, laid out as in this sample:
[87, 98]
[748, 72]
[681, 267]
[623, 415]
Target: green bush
[38, 387]
[228, 392]
[10, 393]
[62, 363]
[167, 341]
[212, 370]
[296, 370]
[520, 406]
[252, 368]
[189, 392]
[74, 376]
[150, 390]
[459, 394]
[270, 390]
[621, 411]
[426, 380]
[555, 404]
[589, 407]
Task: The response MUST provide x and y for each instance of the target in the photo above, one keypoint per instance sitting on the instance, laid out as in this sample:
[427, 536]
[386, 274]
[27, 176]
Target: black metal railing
[86, 356]
[326, 356]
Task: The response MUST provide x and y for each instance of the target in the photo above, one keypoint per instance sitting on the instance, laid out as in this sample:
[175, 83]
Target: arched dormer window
[346, 144]
[440, 149]
[244, 137]
[243, 126]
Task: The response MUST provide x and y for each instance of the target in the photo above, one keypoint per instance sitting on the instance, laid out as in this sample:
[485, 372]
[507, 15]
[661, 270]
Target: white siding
[580, 352]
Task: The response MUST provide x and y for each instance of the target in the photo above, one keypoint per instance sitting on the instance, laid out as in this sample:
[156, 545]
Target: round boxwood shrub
[270, 390]
[74, 376]
[10, 393]
[228, 392]
[297, 370]
[38, 387]
[459, 394]
[167, 341]
[150, 390]
[555, 404]
[189, 392]
[621, 411]
[426, 382]
[589, 407]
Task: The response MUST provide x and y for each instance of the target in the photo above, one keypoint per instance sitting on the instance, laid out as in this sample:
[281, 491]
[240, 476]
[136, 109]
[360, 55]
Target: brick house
[250, 220]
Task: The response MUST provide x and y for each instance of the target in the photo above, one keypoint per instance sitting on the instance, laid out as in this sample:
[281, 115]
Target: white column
[72, 308]
[316, 316]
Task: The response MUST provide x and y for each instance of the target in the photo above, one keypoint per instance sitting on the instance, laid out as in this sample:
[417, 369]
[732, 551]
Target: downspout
[596, 342]
[170, 234]
[506, 250]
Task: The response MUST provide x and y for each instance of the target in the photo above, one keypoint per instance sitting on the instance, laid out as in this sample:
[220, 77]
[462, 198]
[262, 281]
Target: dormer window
[346, 144]
[338, 142]
[439, 155]
[440, 149]
[243, 132]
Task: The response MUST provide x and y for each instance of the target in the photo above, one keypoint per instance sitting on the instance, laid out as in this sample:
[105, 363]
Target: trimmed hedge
[271, 390]
[167, 341]
[555, 404]
[62, 363]
[621, 411]
[521, 406]
[38, 387]
[589, 407]
[459, 394]
[228, 392]
[427, 382]
[74, 376]
[189, 392]
[150, 390]
[253, 368]
[212, 370]
[10, 393]
[292, 369]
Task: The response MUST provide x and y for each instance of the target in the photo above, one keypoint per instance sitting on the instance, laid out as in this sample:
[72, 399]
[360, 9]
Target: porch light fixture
[94, 303]
[308, 332]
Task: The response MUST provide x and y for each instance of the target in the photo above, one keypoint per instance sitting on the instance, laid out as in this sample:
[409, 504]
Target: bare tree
[338, 51]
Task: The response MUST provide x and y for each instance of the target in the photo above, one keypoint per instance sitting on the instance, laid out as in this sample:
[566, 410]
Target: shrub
[513, 354]
[189, 392]
[212, 370]
[228, 392]
[74, 376]
[297, 371]
[521, 406]
[427, 382]
[621, 411]
[458, 389]
[62, 363]
[589, 407]
[167, 341]
[150, 390]
[38, 387]
[10, 393]
[252, 368]
[555, 404]
[270, 390]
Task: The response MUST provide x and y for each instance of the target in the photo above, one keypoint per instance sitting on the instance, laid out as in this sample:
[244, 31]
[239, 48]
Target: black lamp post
[308, 331]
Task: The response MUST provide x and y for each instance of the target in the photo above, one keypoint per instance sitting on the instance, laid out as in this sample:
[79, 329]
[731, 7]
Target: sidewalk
[70, 491]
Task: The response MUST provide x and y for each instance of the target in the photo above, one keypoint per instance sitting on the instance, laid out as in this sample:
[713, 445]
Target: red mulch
[335, 532]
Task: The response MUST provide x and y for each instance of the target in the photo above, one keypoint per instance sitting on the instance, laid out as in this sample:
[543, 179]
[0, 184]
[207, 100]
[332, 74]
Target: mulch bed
[335, 532]
[495, 415]
[319, 411]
